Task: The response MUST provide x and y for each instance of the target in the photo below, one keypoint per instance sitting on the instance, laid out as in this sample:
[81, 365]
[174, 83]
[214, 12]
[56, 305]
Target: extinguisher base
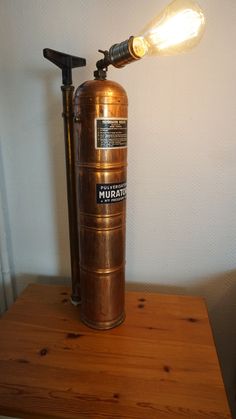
[103, 325]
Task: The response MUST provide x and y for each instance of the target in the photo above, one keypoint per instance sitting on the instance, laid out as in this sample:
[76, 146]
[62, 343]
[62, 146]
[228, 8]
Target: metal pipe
[68, 115]
[66, 62]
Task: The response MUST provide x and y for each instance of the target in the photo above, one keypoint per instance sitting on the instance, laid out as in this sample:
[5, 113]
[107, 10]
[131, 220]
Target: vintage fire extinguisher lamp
[95, 126]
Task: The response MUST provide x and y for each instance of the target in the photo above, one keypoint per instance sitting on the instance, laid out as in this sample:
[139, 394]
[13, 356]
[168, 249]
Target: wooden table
[161, 363]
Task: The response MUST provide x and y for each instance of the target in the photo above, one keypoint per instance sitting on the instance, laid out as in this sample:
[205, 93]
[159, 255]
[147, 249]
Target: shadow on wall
[220, 294]
[8, 289]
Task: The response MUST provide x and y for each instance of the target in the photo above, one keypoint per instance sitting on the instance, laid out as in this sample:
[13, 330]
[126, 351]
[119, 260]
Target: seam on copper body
[102, 271]
[85, 214]
[92, 166]
[101, 229]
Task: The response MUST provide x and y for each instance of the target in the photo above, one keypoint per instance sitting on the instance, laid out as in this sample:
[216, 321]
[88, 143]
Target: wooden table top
[161, 363]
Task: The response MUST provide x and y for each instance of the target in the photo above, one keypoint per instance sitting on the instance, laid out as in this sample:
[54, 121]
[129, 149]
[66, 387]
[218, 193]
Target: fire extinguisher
[95, 122]
[95, 127]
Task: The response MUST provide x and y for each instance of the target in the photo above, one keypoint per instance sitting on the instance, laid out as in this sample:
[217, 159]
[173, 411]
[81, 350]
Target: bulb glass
[177, 29]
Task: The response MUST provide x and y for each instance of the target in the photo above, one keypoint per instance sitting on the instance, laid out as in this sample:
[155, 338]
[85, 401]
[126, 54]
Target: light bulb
[177, 29]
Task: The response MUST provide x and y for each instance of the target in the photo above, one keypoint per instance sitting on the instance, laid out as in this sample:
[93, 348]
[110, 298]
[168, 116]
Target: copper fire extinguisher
[96, 156]
[100, 108]
[95, 122]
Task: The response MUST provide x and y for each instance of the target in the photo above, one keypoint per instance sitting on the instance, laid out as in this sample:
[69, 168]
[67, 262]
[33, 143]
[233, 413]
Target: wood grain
[161, 363]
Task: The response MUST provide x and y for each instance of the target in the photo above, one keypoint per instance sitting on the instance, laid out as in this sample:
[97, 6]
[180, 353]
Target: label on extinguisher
[110, 133]
[109, 193]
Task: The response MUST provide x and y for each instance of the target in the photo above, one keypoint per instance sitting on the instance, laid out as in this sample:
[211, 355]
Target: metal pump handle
[65, 62]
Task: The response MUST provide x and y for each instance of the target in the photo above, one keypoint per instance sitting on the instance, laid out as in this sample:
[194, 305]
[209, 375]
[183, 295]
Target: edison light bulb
[177, 29]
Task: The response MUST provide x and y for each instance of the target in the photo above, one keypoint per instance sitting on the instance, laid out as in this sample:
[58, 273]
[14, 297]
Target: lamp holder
[118, 55]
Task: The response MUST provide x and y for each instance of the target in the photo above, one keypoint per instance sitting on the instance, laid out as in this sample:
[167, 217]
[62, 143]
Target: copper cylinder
[101, 108]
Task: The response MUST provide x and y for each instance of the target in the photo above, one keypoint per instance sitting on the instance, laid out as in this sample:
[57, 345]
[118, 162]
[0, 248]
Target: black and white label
[110, 133]
[111, 193]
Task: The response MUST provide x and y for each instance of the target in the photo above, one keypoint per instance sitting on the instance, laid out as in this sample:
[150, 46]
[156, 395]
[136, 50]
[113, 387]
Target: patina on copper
[101, 226]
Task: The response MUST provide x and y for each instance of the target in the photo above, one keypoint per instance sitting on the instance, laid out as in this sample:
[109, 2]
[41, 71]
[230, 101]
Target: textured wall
[181, 225]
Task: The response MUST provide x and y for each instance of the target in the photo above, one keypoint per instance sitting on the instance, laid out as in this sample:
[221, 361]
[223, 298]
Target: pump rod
[66, 62]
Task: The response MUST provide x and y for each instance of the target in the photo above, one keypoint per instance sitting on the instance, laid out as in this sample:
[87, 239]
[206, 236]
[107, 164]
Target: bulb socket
[123, 53]
[118, 55]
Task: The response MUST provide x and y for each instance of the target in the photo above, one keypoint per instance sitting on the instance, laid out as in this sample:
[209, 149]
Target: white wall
[181, 226]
